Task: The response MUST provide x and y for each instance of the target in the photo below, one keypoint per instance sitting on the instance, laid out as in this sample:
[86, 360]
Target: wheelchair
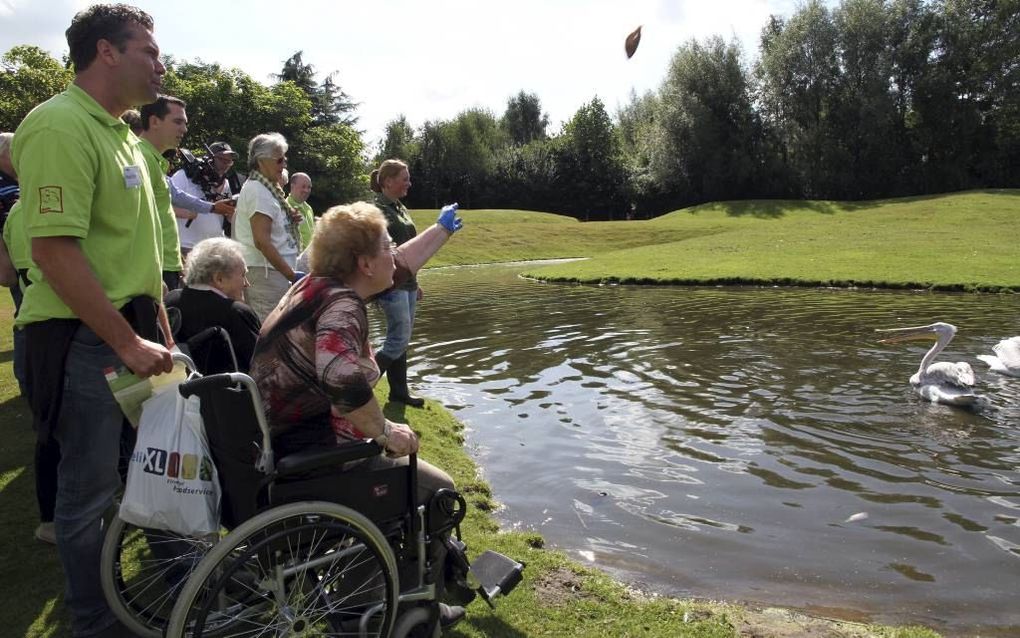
[313, 549]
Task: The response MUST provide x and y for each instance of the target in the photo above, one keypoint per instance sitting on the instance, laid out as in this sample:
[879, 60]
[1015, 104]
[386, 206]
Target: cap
[222, 148]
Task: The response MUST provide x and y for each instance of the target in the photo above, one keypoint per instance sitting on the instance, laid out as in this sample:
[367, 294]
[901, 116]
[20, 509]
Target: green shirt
[15, 239]
[307, 226]
[170, 241]
[84, 175]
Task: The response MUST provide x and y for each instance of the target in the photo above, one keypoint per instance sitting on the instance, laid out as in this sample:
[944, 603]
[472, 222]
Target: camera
[202, 171]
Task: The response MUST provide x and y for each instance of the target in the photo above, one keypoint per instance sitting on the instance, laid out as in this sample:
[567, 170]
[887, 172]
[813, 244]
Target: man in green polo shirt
[164, 123]
[300, 189]
[91, 217]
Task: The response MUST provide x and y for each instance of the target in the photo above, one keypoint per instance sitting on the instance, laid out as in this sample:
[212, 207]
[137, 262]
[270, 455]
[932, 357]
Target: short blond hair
[342, 235]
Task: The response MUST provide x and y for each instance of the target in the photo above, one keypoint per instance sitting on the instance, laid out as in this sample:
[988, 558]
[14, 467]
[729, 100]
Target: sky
[432, 59]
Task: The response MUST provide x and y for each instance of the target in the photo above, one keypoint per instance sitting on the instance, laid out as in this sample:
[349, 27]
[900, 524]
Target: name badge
[132, 177]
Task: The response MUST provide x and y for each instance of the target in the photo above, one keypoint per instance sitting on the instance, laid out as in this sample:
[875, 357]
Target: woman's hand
[401, 441]
[448, 218]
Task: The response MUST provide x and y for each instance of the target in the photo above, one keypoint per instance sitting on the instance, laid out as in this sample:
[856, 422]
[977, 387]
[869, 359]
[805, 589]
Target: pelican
[941, 382]
[1006, 359]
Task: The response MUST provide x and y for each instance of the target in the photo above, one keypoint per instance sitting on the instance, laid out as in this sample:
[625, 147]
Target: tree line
[868, 99]
[317, 118]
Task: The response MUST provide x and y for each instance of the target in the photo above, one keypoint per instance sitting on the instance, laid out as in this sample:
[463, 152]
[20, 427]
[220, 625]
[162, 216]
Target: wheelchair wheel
[303, 569]
[142, 572]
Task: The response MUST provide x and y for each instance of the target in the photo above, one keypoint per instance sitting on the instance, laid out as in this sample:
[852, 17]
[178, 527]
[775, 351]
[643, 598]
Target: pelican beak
[924, 333]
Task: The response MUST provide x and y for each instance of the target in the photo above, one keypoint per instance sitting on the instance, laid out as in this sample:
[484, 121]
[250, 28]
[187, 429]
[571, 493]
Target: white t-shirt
[256, 198]
[205, 225]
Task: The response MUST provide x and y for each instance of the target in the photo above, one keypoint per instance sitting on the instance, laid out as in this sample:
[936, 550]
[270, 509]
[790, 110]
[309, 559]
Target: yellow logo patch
[51, 199]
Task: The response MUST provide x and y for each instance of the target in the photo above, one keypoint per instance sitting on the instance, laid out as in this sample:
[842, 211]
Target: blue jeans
[398, 305]
[88, 431]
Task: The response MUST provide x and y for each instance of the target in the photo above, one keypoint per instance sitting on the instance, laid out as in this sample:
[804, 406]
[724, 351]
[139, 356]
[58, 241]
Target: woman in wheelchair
[215, 279]
[313, 363]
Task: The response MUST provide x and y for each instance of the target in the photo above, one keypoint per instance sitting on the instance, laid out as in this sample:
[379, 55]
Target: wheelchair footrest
[496, 574]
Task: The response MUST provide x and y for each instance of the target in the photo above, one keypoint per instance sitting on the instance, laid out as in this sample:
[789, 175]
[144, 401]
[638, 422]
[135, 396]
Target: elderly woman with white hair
[266, 225]
[215, 278]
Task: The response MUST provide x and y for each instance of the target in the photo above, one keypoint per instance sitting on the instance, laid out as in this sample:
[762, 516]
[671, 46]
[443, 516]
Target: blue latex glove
[298, 276]
[448, 218]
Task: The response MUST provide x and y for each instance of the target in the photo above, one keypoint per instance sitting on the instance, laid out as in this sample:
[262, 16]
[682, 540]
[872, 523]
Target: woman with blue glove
[391, 181]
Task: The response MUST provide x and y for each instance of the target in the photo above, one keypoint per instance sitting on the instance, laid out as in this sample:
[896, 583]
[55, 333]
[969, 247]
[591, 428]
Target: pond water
[743, 444]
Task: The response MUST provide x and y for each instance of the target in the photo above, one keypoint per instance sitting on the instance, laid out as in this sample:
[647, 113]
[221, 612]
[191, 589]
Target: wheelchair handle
[211, 382]
[202, 336]
[183, 358]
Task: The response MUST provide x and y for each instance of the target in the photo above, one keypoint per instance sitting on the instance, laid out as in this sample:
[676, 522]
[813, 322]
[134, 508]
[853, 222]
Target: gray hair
[265, 146]
[5, 143]
[211, 257]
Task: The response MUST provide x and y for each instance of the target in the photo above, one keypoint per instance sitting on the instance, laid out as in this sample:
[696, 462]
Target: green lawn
[964, 241]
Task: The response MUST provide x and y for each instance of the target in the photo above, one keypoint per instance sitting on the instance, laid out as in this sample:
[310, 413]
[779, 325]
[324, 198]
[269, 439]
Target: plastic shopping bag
[172, 483]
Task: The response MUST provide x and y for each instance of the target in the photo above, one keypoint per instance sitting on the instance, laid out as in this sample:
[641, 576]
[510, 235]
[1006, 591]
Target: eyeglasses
[281, 160]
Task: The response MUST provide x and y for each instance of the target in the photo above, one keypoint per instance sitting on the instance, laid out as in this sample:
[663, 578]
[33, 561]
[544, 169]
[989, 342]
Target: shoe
[450, 615]
[45, 533]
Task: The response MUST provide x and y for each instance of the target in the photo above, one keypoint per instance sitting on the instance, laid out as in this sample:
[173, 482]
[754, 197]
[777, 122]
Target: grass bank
[962, 241]
[558, 597]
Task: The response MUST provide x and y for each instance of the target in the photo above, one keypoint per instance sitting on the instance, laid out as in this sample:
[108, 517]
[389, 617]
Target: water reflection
[716, 442]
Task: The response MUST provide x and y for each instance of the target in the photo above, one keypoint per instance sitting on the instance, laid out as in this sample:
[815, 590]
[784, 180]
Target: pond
[742, 444]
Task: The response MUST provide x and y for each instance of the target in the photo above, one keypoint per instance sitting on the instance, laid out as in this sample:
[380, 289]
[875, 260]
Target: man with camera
[204, 178]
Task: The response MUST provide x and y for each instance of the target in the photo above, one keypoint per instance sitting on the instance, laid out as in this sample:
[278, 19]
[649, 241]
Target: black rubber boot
[396, 374]
[383, 362]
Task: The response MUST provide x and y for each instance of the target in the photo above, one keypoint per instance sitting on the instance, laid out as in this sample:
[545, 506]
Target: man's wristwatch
[383, 438]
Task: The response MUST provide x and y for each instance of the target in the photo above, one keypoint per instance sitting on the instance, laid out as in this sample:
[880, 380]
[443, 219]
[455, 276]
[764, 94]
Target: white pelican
[941, 382]
[1006, 359]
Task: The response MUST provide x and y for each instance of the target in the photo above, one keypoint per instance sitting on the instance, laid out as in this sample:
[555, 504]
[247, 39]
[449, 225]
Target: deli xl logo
[175, 465]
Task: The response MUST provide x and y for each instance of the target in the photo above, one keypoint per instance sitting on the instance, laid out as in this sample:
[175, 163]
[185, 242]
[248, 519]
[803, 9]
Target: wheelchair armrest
[314, 458]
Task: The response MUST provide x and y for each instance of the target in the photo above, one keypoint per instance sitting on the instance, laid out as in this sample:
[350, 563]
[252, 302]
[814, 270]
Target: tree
[798, 69]
[332, 157]
[28, 76]
[397, 141]
[590, 165]
[455, 159]
[864, 118]
[330, 105]
[702, 147]
[523, 119]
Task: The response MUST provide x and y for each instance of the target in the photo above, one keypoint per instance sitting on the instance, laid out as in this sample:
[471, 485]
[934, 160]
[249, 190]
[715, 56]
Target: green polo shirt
[307, 226]
[84, 175]
[170, 244]
[14, 238]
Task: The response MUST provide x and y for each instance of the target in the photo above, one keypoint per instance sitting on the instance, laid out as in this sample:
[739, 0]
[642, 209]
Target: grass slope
[962, 241]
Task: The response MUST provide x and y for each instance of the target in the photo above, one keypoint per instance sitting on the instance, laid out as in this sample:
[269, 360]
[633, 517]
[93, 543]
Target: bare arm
[64, 265]
[370, 421]
[261, 233]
